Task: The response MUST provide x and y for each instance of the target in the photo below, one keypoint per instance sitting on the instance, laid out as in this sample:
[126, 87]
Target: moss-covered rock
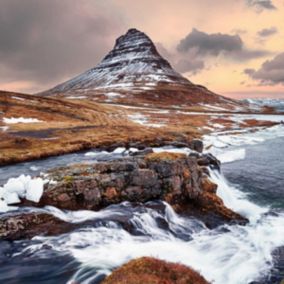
[154, 271]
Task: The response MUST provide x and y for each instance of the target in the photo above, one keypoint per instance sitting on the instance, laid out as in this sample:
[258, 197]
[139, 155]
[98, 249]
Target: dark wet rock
[28, 225]
[143, 152]
[196, 145]
[209, 160]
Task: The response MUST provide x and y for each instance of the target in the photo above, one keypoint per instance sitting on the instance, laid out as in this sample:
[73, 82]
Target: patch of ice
[119, 150]
[14, 120]
[94, 154]
[34, 189]
[232, 155]
[170, 149]
[20, 187]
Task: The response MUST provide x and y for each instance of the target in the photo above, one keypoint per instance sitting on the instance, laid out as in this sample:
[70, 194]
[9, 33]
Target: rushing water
[228, 254]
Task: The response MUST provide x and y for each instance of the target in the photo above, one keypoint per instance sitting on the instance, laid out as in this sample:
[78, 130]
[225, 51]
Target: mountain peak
[133, 69]
[132, 47]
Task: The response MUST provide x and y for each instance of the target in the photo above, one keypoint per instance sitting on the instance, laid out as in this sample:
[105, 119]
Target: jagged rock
[154, 271]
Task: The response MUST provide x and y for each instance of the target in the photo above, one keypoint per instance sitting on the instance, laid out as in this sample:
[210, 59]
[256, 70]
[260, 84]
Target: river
[251, 183]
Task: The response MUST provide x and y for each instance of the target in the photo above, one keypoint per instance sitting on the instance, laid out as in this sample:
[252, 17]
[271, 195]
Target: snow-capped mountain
[277, 104]
[134, 70]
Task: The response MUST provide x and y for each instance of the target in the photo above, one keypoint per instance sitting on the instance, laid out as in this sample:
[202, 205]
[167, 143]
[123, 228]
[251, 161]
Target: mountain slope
[134, 72]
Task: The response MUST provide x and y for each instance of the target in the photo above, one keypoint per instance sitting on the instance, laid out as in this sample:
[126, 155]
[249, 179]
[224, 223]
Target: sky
[233, 47]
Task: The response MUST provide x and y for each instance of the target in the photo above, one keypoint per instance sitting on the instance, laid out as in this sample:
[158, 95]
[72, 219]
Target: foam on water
[229, 254]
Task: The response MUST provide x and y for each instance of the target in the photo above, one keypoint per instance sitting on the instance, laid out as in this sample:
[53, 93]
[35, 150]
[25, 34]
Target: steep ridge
[135, 72]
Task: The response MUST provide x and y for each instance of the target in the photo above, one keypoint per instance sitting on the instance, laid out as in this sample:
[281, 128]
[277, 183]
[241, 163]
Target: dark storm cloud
[262, 4]
[216, 44]
[212, 44]
[267, 32]
[271, 71]
[45, 41]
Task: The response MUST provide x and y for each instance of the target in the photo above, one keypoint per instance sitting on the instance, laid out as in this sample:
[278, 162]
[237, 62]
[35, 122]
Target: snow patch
[76, 97]
[138, 118]
[4, 128]
[15, 120]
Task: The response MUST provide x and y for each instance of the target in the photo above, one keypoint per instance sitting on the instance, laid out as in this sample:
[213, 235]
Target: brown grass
[164, 156]
[71, 126]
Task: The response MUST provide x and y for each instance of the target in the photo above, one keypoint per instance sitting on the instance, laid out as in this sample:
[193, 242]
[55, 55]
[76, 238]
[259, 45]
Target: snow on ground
[15, 120]
[138, 118]
[76, 97]
[19, 188]
[18, 98]
[143, 120]
[213, 107]
[4, 128]
[112, 95]
[222, 142]
[259, 117]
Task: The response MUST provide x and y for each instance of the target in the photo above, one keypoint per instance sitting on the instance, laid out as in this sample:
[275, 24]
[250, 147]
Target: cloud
[261, 5]
[212, 44]
[193, 66]
[217, 44]
[271, 71]
[183, 63]
[267, 32]
[47, 41]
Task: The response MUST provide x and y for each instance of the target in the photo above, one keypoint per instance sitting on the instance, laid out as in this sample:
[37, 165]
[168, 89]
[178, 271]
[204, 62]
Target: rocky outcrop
[174, 178]
[154, 271]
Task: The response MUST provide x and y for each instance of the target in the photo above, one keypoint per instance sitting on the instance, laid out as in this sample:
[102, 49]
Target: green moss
[68, 180]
